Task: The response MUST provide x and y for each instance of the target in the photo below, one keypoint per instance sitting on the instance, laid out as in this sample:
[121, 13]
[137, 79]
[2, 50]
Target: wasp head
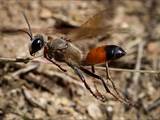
[37, 44]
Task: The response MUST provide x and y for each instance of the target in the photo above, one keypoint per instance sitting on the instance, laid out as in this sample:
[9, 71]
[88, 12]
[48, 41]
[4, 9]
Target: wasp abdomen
[102, 54]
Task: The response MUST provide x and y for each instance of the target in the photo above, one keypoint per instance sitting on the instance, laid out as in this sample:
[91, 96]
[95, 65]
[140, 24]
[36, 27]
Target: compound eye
[36, 45]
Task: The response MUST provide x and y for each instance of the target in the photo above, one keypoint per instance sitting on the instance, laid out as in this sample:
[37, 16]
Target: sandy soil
[35, 91]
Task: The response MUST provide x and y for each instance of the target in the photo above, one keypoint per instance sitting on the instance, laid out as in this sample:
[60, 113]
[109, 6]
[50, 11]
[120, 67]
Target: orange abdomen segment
[96, 56]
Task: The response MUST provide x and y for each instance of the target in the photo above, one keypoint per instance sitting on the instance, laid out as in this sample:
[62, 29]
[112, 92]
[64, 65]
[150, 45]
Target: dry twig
[9, 60]
[24, 60]
[138, 62]
[26, 69]
[30, 99]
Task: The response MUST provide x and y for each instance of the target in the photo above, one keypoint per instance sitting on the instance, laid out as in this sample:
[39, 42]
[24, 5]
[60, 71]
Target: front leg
[59, 66]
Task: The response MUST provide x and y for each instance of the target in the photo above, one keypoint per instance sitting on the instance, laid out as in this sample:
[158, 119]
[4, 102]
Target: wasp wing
[100, 23]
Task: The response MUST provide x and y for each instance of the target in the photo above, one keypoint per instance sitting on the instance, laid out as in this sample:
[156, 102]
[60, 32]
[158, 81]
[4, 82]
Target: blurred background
[43, 92]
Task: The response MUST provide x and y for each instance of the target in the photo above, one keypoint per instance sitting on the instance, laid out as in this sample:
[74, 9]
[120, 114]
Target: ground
[43, 92]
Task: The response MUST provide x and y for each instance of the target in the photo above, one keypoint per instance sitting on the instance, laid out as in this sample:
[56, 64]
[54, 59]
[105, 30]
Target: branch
[138, 62]
[130, 70]
[23, 60]
[26, 60]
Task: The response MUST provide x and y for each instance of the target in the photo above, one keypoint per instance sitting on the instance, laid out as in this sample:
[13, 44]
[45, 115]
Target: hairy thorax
[64, 51]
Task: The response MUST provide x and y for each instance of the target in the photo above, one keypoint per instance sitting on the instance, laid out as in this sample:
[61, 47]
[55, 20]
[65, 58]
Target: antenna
[29, 27]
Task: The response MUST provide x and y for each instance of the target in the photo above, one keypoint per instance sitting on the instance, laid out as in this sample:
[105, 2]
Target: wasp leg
[92, 68]
[108, 77]
[97, 91]
[59, 66]
[80, 74]
[103, 82]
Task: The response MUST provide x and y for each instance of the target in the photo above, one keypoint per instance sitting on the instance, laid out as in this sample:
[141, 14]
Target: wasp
[62, 50]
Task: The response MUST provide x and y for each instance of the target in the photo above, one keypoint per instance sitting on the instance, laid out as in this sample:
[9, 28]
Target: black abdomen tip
[114, 52]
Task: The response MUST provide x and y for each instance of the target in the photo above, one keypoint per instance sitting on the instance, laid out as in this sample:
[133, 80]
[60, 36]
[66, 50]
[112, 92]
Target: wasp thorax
[63, 51]
[36, 44]
[57, 48]
[57, 44]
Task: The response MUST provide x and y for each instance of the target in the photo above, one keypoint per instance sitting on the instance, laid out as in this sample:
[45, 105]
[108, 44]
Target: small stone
[110, 109]
[38, 114]
[94, 111]
[51, 111]
[45, 13]
[153, 47]
[65, 102]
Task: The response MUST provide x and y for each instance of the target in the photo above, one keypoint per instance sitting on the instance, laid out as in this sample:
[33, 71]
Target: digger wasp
[62, 50]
